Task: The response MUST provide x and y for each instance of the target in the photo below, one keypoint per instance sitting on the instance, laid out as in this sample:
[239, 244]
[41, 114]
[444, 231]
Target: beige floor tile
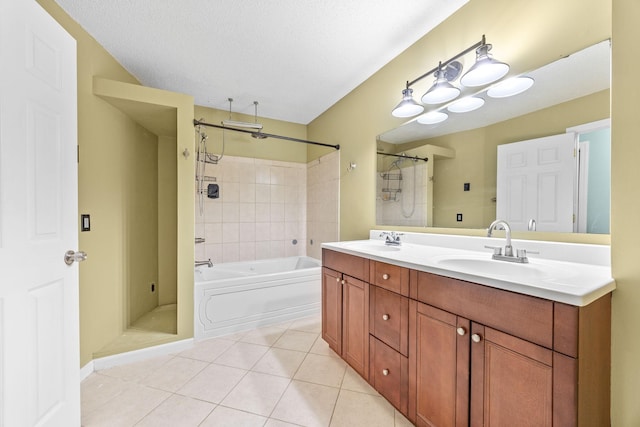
[174, 374]
[257, 393]
[178, 411]
[97, 390]
[222, 416]
[354, 382]
[401, 420]
[138, 370]
[208, 350]
[358, 409]
[277, 423]
[263, 336]
[308, 324]
[242, 355]
[319, 369]
[126, 409]
[321, 347]
[296, 340]
[280, 362]
[306, 404]
[213, 383]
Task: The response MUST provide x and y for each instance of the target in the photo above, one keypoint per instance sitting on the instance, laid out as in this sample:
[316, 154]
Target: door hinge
[78, 153]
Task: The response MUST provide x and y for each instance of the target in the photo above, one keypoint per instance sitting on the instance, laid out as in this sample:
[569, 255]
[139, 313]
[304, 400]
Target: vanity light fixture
[443, 91]
[510, 87]
[432, 117]
[486, 70]
[467, 104]
[408, 107]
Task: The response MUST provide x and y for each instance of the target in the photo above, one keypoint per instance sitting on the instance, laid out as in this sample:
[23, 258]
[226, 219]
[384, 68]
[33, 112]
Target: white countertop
[577, 274]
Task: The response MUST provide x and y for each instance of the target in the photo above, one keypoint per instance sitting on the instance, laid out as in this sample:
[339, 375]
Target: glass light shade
[486, 69]
[408, 107]
[510, 87]
[432, 117]
[441, 91]
[465, 105]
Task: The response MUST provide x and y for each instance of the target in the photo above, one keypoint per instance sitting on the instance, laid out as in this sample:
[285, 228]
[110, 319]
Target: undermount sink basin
[491, 267]
[370, 246]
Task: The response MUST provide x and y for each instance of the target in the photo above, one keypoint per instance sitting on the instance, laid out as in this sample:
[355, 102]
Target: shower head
[258, 135]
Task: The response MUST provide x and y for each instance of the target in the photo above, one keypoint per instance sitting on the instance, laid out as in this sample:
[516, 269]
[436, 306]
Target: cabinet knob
[337, 279]
[385, 372]
[342, 282]
[461, 331]
[385, 317]
[385, 276]
[476, 338]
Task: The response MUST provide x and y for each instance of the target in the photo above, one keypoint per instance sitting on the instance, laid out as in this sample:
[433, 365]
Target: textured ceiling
[295, 57]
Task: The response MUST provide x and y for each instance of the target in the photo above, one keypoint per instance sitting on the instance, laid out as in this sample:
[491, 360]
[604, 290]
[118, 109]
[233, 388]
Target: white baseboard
[134, 356]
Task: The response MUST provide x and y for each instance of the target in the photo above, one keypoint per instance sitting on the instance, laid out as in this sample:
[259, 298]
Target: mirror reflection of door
[544, 186]
[535, 183]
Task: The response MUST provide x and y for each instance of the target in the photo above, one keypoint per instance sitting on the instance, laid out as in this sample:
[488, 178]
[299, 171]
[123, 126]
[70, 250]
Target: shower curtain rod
[425, 159]
[262, 134]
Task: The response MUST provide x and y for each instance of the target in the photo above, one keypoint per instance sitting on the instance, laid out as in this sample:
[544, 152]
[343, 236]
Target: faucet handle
[497, 250]
[522, 253]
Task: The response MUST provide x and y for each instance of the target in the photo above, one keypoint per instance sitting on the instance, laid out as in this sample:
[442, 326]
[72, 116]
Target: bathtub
[237, 296]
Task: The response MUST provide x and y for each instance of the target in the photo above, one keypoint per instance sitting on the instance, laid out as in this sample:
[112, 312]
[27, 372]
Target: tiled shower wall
[323, 202]
[260, 212]
[264, 206]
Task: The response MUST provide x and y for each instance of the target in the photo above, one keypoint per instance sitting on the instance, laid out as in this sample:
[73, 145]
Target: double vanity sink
[575, 274]
[438, 326]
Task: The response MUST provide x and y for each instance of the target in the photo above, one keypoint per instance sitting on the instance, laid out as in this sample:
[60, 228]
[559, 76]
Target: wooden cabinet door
[511, 380]
[332, 309]
[355, 324]
[438, 367]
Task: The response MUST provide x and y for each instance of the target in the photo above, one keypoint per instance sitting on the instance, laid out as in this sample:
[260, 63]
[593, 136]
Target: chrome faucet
[208, 263]
[508, 249]
[391, 238]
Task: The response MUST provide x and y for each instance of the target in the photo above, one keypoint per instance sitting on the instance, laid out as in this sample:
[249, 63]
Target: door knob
[71, 256]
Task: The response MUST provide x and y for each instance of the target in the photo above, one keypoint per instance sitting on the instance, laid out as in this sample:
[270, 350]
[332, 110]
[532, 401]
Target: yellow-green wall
[625, 211]
[167, 221]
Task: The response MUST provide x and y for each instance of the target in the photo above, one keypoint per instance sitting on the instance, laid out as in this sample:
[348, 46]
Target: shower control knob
[70, 257]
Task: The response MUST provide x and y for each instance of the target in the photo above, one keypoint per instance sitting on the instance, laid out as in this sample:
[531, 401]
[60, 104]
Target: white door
[39, 349]
[535, 181]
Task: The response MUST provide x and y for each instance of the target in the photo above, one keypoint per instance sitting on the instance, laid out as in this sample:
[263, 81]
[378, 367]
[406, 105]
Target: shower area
[402, 190]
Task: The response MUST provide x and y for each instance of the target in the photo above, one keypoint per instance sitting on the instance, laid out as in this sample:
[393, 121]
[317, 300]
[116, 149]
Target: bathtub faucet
[208, 263]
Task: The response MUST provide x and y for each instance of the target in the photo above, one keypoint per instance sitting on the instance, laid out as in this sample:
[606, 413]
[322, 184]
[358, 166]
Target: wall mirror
[445, 174]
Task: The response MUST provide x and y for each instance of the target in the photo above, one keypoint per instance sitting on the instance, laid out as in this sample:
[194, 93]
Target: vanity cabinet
[502, 358]
[447, 352]
[345, 308]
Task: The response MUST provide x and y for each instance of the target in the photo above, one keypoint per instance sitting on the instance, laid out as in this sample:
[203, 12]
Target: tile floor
[280, 375]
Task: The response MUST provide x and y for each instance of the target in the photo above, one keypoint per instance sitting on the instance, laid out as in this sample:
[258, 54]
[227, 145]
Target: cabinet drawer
[389, 373]
[350, 265]
[391, 277]
[389, 318]
[524, 316]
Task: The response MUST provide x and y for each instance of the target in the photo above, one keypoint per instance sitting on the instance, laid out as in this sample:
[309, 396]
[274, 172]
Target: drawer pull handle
[385, 317]
[343, 282]
[461, 331]
[476, 338]
[385, 372]
[337, 279]
[385, 276]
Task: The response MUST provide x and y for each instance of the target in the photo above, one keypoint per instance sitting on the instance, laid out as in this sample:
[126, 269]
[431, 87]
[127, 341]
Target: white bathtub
[243, 295]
